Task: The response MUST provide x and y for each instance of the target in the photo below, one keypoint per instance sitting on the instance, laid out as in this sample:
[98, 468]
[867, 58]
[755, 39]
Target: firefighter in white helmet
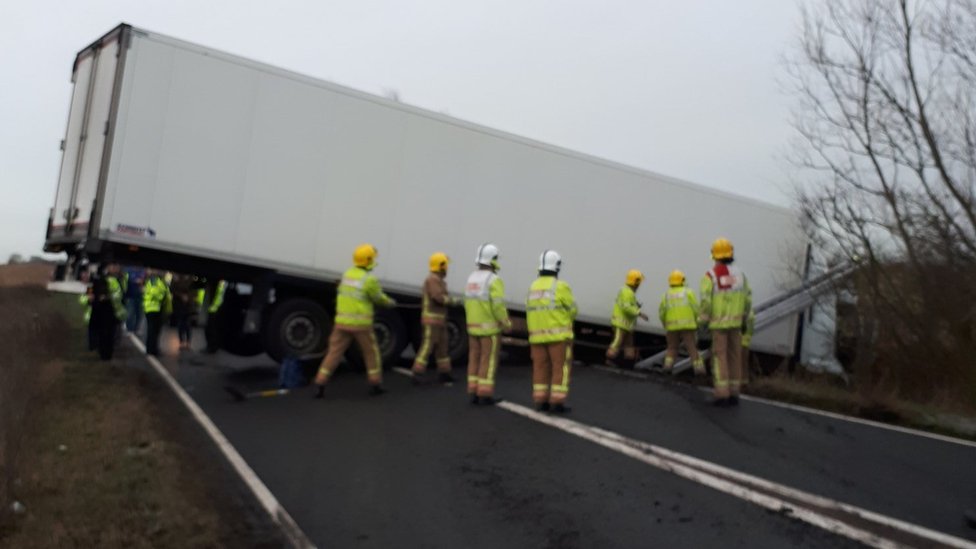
[679, 313]
[626, 311]
[726, 300]
[433, 320]
[487, 318]
[550, 310]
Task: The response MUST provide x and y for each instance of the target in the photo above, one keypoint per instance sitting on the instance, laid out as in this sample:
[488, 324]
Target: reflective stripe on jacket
[358, 291]
[725, 298]
[484, 304]
[625, 309]
[550, 310]
[678, 309]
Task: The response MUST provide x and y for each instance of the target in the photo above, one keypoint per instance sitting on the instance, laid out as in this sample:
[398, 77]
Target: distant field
[27, 274]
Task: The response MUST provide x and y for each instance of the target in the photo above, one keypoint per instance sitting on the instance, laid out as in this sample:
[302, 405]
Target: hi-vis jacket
[155, 296]
[679, 309]
[626, 309]
[358, 291]
[550, 310]
[726, 298]
[484, 304]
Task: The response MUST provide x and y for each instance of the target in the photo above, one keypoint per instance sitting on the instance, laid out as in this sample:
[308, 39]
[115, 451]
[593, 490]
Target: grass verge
[107, 457]
[826, 393]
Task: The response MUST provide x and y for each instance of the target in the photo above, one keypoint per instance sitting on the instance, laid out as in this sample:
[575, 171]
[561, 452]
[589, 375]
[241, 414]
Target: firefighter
[487, 317]
[725, 302]
[550, 311]
[626, 311]
[357, 294]
[679, 313]
[433, 319]
[155, 302]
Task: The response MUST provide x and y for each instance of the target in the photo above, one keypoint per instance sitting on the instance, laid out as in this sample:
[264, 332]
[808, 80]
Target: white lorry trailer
[185, 158]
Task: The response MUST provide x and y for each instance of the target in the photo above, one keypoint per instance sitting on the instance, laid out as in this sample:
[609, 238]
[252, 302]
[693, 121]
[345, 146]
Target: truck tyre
[296, 327]
[391, 337]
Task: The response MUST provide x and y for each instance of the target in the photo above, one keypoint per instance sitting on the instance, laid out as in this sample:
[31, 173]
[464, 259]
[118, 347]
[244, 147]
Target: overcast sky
[684, 88]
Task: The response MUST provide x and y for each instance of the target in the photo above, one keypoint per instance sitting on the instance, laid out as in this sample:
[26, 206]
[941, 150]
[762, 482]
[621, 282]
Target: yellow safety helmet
[721, 249]
[634, 277]
[438, 262]
[364, 256]
[676, 278]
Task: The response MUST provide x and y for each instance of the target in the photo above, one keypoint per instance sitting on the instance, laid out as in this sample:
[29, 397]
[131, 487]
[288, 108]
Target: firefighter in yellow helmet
[487, 317]
[626, 311]
[357, 294]
[725, 303]
[550, 310]
[433, 320]
[679, 316]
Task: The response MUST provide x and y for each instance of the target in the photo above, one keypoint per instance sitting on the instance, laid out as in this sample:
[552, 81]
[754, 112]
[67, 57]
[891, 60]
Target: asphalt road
[421, 467]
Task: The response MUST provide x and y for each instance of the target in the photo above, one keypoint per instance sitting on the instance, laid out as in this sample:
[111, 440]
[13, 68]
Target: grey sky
[688, 89]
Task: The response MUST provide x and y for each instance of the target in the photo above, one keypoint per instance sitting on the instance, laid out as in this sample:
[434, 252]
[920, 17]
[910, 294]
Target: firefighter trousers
[625, 339]
[726, 362]
[482, 364]
[339, 341]
[688, 338]
[551, 366]
[435, 340]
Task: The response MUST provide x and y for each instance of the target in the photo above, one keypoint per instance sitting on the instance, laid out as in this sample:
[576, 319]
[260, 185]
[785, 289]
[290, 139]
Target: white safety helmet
[550, 260]
[487, 255]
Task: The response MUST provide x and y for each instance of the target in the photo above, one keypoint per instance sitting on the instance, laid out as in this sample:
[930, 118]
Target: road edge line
[289, 528]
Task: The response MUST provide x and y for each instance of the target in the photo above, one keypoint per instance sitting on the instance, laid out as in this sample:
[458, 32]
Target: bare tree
[886, 151]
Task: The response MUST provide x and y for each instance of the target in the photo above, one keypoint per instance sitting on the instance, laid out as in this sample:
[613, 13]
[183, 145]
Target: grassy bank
[99, 453]
[830, 394]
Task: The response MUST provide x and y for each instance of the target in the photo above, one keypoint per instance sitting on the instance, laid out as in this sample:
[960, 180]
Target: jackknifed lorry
[181, 157]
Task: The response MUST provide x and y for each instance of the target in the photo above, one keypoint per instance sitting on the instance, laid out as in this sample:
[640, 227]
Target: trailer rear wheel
[391, 338]
[296, 327]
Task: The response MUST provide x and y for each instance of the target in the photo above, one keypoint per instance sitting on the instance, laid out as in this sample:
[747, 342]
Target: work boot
[445, 378]
[734, 400]
[474, 398]
[721, 402]
[376, 390]
[319, 391]
[419, 378]
[542, 406]
[560, 408]
[489, 401]
[611, 363]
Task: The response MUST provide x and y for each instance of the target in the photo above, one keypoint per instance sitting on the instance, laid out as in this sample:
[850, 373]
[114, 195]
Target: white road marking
[707, 474]
[814, 411]
[278, 513]
[403, 371]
